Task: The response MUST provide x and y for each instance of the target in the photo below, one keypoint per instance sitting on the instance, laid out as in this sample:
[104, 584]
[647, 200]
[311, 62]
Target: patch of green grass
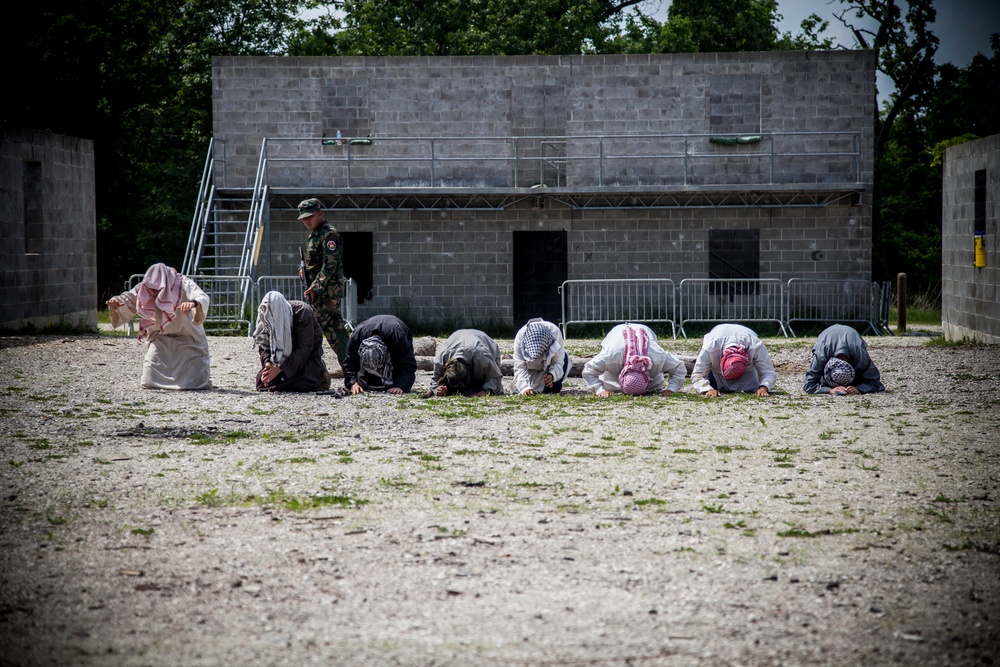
[712, 509]
[683, 450]
[650, 501]
[221, 439]
[296, 459]
[209, 498]
[969, 545]
[394, 482]
[941, 498]
[55, 519]
[801, 532]
[145, 532]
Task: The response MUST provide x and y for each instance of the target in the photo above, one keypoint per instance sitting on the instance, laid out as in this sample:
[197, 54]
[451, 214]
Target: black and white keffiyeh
[375, 359]
[536, 341]
[838, 373]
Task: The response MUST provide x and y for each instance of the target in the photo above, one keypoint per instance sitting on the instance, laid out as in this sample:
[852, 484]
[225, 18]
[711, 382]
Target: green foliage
[699, 26]
[930, 108]
[136, 77]
[479, 27]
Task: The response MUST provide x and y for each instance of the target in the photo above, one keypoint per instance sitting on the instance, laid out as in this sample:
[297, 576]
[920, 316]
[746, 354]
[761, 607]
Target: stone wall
[433, 265]
[48, 246]
[970, 296]
[439, 264]
[480, 96]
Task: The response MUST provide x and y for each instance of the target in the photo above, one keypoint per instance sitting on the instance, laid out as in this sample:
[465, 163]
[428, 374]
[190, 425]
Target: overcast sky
[963, 26]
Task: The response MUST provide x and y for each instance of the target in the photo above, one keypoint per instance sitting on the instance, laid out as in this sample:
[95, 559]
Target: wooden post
[901, 303]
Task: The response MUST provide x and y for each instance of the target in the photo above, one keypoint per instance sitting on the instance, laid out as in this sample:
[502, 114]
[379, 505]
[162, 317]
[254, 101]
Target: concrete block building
[470, 188]
[48, 231]
[970, 271]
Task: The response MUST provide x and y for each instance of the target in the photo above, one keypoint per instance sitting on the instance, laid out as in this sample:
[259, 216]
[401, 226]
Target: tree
[135, 76]
[904, 47]
[699, 26]
[465, 27]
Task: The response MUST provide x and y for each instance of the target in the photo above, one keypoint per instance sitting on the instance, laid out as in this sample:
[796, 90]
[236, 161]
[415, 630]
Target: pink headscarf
[160, 289]
[634, 378]
[734, 362]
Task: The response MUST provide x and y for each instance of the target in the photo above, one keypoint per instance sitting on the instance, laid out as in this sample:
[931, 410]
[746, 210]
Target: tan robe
[177, 357]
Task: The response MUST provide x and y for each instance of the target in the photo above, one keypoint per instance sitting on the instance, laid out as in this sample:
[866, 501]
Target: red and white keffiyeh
[160, 289]
[734, 362]
[634, 378]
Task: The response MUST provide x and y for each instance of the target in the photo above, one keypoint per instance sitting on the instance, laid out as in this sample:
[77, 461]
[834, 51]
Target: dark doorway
[539, 270]
[733, 254]
[358, 261]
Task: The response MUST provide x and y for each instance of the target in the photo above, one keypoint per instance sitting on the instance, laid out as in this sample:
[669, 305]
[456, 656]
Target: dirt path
[228, 527]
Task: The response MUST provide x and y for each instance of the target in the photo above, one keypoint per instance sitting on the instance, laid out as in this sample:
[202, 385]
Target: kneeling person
[468, 363]
[541, 363]
[840, 364]
[631, 361]
[171, 310]
[290, 343]
[733, 359]
[380, 357]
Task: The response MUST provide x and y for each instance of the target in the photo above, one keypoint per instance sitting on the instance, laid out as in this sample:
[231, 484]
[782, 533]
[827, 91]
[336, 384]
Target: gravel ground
[227, 527]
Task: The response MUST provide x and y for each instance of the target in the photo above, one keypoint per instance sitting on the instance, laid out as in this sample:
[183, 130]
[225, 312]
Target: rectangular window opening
[32, 187]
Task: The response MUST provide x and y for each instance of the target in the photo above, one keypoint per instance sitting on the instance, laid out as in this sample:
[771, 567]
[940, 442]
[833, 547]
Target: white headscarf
[274, 326]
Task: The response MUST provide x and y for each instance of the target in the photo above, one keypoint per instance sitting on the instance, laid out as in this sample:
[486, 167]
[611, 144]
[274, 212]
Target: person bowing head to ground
[468, 363]
[171, 310]
[541, 363]
[290, 344]
[840, 364]
[631, 361]
[733, 359]
[380, 357]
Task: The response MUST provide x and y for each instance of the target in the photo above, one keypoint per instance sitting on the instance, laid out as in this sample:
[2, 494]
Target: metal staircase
[223, 245]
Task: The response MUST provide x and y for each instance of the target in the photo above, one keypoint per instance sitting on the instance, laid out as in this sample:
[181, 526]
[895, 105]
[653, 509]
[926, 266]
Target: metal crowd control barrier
[842, 301]
[724, 300]
[291, 287]
[132, 281]
[229, 296]
[625, 300]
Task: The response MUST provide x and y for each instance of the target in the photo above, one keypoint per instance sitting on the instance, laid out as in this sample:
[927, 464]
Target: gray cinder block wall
[433, 264]
[48, 245]
[970, 296]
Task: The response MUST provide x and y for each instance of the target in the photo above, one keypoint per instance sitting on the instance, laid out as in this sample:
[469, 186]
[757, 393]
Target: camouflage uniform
[324, 273]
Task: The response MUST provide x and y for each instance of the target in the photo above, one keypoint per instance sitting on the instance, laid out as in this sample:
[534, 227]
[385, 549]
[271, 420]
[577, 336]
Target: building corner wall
[970, 295]
[48, 231]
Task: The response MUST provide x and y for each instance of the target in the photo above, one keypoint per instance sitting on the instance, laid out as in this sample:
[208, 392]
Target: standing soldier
[324, 275]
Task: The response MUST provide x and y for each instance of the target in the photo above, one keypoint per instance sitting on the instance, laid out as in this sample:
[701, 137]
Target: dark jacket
[841, 339]
[303, 368]
[396, 336]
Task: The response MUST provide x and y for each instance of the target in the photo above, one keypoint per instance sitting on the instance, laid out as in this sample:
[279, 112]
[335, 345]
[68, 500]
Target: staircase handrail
[203, 204]
[255, 219]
